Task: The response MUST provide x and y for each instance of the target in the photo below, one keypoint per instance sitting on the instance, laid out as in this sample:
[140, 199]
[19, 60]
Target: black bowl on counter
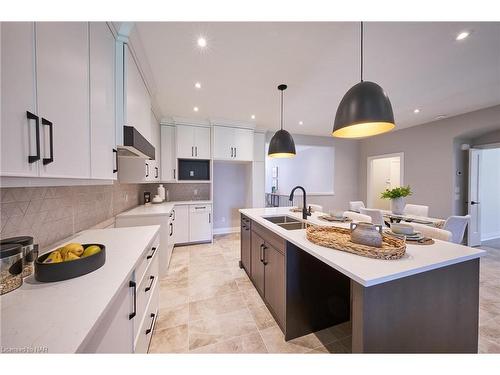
[49, 272]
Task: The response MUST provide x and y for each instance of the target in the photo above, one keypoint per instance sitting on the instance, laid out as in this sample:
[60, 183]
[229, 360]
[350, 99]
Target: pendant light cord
[281, 109]
[361, 51]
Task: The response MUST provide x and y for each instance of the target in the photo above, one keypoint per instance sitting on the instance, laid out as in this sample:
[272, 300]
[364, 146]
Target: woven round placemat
[340, 239]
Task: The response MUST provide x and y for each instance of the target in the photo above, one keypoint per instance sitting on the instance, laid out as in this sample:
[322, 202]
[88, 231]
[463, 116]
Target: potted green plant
[397, 196]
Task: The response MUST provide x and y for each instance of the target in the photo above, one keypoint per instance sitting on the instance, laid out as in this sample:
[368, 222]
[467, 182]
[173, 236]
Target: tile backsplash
[50, 214]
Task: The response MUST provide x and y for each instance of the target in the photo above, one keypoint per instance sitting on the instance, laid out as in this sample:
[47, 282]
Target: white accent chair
[456, 225]
[416, 210]
[432, 232]
[356, 205]
[354, 216]
[375, 214]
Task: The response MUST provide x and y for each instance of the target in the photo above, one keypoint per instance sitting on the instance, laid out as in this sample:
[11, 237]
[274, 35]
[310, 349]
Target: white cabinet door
[18, 95]
[259, 147]
[155, 137]
[200, 222]
[223, 142]
[137, 99]
[243, 143]
[181, 224]
[62, 61]
[185, 141]
[202, 142]
[102, 101]
[168, 159]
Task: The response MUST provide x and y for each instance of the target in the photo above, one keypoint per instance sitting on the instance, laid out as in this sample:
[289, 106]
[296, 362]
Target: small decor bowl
[400, 228]
[49, 272]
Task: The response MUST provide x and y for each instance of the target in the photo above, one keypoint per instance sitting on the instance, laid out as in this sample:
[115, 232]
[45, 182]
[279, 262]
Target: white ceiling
[420, 65]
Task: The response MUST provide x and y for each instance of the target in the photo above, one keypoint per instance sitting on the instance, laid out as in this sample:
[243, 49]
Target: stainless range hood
[135, 145]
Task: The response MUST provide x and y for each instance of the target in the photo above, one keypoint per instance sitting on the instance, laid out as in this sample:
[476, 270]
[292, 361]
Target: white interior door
[474, 206]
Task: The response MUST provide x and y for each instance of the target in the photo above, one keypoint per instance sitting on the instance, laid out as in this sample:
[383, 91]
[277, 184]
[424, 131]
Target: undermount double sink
[287, 222]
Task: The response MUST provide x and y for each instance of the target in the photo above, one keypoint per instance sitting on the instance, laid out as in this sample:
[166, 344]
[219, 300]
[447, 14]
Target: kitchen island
[427, 301]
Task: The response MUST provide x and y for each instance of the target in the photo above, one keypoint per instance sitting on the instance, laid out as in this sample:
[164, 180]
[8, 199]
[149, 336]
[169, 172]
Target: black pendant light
[282, 144]
[365, 109]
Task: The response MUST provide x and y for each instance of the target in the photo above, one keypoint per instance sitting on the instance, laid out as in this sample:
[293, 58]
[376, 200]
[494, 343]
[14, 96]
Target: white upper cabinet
[193, 142]
[259, 147]
[102, 102]
[137, 99]
[19, 156]
[62, 68]
[233, 143]
[168, 159]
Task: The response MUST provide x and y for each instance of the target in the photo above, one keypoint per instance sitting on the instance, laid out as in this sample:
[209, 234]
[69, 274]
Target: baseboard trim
[226, 230]
[490, 236]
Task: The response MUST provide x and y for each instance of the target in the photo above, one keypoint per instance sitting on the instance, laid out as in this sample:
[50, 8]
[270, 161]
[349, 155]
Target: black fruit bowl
[48, 272]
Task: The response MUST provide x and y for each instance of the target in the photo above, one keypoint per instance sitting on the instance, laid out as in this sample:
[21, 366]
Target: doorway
[384, 172]
[483, 201]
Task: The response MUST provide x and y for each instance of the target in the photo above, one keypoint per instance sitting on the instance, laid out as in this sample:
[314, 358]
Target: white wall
[489, 193]
[232, 190]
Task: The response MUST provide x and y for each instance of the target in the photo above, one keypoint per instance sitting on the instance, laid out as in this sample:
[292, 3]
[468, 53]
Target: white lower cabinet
[193, 223]
[200, 222]
[127, 326]
[181, 224]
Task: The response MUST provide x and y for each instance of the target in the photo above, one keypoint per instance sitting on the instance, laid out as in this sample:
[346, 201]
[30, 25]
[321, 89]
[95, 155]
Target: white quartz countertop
[366, 271]
[61, 316]
[155, 209]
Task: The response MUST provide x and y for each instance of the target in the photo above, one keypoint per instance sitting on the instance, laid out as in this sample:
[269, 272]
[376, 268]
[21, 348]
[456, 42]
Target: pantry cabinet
[233, 143]
[58, 104]
[193, 142]
[168, 158]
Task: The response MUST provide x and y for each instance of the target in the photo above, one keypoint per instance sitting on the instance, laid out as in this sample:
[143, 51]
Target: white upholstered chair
[456, 225]
[375, 214]
[356, 205]
[354, 216]
[416, 210]
[432, 232]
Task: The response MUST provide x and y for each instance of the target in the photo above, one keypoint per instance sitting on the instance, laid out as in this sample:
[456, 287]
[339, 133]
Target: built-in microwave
[196, 170]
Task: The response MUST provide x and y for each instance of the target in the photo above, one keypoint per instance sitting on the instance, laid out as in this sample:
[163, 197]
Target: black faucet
[305, 212]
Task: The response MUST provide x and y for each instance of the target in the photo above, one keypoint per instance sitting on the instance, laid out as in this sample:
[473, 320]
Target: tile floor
[208, 305]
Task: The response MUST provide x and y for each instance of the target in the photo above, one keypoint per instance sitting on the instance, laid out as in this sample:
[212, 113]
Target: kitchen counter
[366, 271]
[62, 316]
[155, 209]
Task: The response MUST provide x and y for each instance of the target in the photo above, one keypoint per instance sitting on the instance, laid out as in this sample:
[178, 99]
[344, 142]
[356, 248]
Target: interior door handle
[31, 116]
[474, 203]
[51, 146]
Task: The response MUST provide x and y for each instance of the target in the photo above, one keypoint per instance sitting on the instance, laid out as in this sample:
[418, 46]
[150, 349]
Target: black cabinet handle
[148, 331]
[235, 151]
[173, 219]
[51, 136]
[264, 248]
[174, 173]
[116, 160]
[261, 255]
[171, 229]
[156, 170]
[148, 288]
[147, 170]
[192, 150]
[473, 203]
[231, 152]
[209, 217]
[132, 284]
[31, 116]
[196, 149]
[153, 249]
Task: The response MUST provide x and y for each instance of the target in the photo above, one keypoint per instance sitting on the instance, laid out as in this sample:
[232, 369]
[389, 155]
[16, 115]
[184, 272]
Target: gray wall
[346, 168]
[432, 157]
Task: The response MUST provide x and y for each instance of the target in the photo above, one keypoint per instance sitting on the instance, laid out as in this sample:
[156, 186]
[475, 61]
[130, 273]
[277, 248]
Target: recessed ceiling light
[197, 85]
[416, 110]
[462, 35]
[202, 42]
[301, 123]
[196, 109]
[253, 117]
